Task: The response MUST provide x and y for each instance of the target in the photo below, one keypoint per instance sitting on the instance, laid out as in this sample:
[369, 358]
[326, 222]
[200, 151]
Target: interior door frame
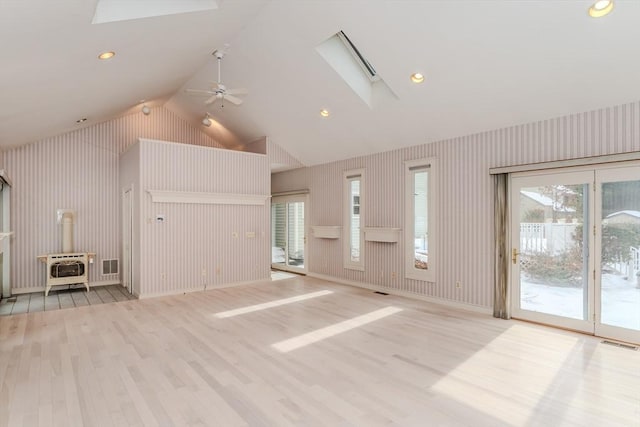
[5, 291]
[295, 198]
[541, 178]
[127, 238]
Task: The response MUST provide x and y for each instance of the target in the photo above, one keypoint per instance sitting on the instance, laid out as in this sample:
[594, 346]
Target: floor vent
[12, 299]
[109, 266]
[618, 344]
[380, 293]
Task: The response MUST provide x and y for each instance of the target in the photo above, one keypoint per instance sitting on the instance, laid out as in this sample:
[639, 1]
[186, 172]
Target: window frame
[428, 275]
[348, 177]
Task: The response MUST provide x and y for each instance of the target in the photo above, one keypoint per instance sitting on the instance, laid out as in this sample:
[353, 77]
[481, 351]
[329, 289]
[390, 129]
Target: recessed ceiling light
[600, 8]
[417, 78]
[324, 113]
[82, 120]
[107, 55]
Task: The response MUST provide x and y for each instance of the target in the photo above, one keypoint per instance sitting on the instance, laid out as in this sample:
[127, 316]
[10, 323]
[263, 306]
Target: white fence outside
[628, 266]
[553, 238]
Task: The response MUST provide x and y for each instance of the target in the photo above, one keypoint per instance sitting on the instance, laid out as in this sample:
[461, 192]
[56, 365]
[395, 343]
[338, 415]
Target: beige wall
[201, 245]
[279, 158]
[465, 197]
[78, 170]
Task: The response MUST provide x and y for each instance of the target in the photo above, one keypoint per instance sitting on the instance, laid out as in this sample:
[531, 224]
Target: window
[419, 220]
[353, 235]
[349, 62]
[362, 61]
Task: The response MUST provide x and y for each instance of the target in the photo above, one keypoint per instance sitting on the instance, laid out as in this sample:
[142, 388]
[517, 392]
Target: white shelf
[326, 231]
[160, 196]
[381, 234]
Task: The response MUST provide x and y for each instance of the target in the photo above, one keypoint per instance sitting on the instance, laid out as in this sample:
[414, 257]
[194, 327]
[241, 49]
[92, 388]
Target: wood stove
[67, 269]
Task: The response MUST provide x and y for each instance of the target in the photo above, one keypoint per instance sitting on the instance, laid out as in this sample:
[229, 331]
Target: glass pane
[295, 239]
[620, 255]
[554, 223]
[354, 213]
[278, 238]
[420, 223]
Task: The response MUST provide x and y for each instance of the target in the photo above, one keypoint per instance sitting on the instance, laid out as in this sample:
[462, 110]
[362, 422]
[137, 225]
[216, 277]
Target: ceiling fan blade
[198, 92]
[240, 91]
[233, 99]
[212, 99]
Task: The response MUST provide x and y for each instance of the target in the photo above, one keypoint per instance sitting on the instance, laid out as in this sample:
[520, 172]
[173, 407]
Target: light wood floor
[346, 357]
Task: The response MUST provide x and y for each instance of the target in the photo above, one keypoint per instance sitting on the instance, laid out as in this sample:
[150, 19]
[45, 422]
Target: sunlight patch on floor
[330, 331]
[280, 275]
[491, 367]
[271, 304]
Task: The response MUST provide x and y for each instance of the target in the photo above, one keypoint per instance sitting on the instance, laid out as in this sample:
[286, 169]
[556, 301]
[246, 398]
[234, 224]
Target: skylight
[362, 61]
[123, 10]
[351, 64]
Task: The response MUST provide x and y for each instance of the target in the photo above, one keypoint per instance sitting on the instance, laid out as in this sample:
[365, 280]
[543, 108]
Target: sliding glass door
[576, 250]
[288, 233]
[551, 252]
[618, 253]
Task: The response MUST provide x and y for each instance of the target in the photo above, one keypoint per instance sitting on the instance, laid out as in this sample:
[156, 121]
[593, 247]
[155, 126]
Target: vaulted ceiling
[488, 64]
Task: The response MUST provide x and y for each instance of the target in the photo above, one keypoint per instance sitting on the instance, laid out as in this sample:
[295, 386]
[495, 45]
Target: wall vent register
[110, 266]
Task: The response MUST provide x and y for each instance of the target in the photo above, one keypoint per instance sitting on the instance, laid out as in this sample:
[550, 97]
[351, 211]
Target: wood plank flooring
[362, 359]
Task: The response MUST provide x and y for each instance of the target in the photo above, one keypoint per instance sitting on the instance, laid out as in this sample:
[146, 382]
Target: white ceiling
[488, 64]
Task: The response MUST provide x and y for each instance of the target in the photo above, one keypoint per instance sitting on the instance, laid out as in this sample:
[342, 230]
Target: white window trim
[410, 271]
[346, 228]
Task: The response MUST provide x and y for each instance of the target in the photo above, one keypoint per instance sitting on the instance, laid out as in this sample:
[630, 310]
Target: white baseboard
[199, 289]
[30, 290]
[34, 289]
[104, 283]
[433, 300]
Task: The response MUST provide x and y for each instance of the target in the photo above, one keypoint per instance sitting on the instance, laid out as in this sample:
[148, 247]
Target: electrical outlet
[234, 234]
[458, 285]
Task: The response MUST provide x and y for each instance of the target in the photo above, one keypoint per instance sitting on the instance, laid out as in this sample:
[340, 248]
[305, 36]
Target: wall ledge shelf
[161, 196]
[382, 234]
[326, 231]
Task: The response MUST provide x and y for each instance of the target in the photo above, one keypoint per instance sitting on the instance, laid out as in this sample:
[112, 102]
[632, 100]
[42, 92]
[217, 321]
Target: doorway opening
[575, 257]
[289, 233]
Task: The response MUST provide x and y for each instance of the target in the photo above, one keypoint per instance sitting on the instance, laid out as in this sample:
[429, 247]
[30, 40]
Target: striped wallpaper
[201, 245]
[79, 171]
[281, 159]
[464, 200]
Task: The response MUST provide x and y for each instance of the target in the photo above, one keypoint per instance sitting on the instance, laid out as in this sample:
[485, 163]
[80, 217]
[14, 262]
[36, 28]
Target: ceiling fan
[219, 90]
